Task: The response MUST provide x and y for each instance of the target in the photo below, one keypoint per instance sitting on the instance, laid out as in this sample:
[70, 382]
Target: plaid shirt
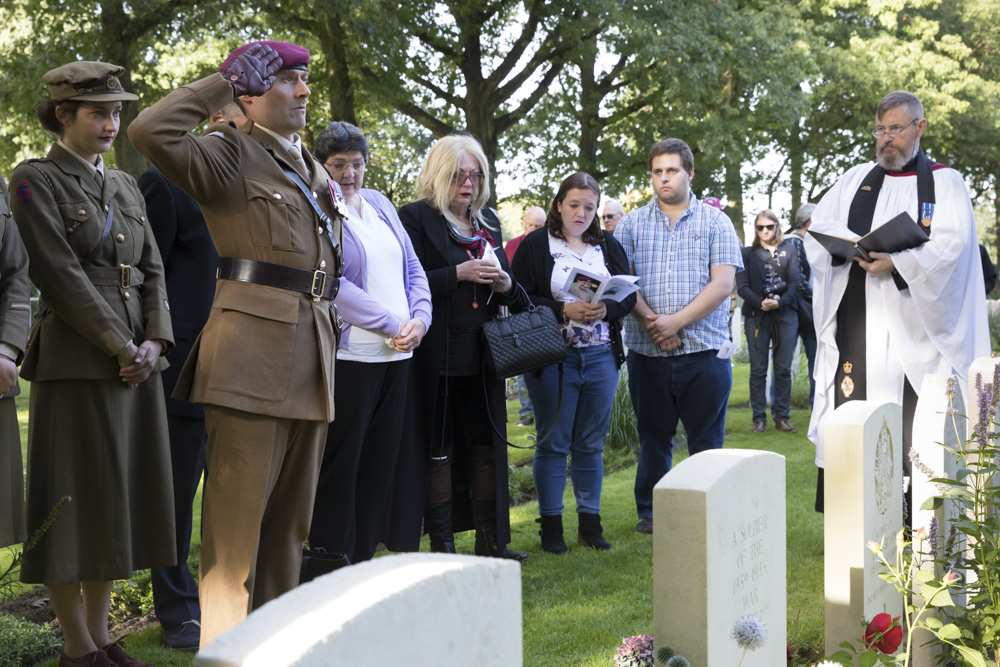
[674, 267]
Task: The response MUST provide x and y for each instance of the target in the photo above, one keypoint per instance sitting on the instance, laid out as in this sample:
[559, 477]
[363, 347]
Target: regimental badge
[23, 193]
[847, 384]
[866, 188]
[113, 82]
[338, 198]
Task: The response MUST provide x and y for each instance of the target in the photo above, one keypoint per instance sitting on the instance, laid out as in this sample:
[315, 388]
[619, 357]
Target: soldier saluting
[263, 365]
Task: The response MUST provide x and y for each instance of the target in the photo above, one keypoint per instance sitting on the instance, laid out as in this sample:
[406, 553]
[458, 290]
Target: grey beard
[897, 160]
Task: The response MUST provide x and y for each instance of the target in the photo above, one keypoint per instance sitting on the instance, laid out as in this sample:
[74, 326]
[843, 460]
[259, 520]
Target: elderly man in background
[534, 218]
[611, 214]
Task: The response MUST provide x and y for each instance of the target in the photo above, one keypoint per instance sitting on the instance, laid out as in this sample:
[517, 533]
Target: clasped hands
[137, 362]
[484, 272]
[409, 336]
[665, 331]
[581, 311]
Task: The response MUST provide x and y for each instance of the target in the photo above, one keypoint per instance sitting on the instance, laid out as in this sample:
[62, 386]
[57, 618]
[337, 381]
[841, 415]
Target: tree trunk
[796, 159]
[589, 116]
[333, 40]
[734, 193]
[996, 213]
[117, 48]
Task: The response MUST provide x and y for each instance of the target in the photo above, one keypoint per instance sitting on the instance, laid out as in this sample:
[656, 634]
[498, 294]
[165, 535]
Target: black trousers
[175, 593]
[362, 445]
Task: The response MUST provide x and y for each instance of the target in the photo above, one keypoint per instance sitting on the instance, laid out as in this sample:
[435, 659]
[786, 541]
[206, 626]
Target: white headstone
[415, 609]
[863, 500]
[719, 555]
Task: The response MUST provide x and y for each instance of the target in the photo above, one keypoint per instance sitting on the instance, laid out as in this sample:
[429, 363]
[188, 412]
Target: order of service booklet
[900, 233]
[590, 287]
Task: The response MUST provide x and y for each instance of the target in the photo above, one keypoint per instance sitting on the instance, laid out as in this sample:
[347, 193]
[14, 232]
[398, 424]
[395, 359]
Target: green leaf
[932, 623]
[949, 631]
[972, 657]
[868, 659]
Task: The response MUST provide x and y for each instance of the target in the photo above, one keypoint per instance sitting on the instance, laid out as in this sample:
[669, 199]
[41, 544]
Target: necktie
[99, 177]
[296, 152]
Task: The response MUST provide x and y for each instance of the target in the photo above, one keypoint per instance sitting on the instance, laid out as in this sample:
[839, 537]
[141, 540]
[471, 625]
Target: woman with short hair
[386, 307]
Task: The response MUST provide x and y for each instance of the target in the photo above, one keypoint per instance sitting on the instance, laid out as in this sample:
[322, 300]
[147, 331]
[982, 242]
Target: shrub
[24, 642]
[133, 597]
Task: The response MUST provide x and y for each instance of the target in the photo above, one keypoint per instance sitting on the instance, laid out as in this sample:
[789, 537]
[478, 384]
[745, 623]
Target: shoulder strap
[323, 217]
[552, 428]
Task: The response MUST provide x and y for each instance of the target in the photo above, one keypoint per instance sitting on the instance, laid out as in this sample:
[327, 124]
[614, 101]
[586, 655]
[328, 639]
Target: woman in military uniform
[98, 430]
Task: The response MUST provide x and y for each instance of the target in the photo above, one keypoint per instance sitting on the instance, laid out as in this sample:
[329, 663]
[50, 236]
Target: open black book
[900, 233]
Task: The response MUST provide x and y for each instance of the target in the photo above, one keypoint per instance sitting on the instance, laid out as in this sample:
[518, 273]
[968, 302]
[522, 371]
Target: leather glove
[252, 72]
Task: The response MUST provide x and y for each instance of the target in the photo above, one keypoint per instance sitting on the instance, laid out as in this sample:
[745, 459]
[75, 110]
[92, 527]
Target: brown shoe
[758, 426]
[120, 657]
[96, 659]
[783, 425]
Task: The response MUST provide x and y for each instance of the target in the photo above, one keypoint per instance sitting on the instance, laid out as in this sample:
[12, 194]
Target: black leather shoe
[317, 562]
[783, 425]
[185, 637]
[645, 525]
[486, 545]
[443, 544]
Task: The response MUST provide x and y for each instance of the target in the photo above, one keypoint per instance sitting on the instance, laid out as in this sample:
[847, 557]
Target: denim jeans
[526, 411]
[760, 351]
[588, 394]
[693, 388]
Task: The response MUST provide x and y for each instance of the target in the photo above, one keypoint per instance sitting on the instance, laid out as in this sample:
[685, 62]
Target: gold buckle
[126, 275]
[319, 277]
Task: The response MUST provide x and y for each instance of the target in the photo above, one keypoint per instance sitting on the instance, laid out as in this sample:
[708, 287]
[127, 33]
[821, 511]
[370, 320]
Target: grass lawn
[577, 607]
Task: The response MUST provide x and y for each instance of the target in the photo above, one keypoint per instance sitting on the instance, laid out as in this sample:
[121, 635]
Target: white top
[383, 282]
[938, 325]
[577, 334]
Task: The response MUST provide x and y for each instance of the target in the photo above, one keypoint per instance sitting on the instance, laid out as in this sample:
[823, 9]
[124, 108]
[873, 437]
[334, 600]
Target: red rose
[890, 631]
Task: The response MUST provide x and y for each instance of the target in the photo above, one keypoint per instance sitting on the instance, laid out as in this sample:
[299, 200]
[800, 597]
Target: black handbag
[522, 342]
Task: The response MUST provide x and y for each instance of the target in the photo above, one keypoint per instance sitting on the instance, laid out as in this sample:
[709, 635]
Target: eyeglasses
[761, 228]
[460, 177]
[893, 131]
[608, 216]
[341, 167]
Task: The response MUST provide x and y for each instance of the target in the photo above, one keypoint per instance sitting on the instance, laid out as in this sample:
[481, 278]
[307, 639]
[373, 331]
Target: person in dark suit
[189, 261]
[15, 311]
[452, 469]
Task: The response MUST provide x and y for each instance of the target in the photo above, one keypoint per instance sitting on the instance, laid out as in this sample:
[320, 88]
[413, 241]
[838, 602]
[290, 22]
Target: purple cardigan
[353, 302]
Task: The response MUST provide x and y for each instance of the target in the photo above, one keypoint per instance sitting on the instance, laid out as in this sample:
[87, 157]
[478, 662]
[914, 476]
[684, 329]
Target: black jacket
[751, 280]
[533, 267]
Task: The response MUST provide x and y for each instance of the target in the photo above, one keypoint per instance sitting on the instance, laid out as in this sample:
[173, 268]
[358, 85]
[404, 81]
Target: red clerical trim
[934, 167]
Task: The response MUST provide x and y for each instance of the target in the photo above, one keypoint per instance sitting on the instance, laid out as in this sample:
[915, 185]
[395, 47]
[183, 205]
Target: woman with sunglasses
[770, 317]
[452, 468]
[386, 308]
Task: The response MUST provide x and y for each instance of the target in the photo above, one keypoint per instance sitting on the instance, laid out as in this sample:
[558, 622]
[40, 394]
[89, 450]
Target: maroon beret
[292, 55]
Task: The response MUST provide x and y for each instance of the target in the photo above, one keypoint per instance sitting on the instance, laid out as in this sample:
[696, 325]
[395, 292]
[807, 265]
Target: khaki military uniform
[14, 315]
[263, 365]
[91, 437]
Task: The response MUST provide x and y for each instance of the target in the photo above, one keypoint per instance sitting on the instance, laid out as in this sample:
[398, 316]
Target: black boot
[552, 534]
[486, 545]
[437, 524]
[590, 532]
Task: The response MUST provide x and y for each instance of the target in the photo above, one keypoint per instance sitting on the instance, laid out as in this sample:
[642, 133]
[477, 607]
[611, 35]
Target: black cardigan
[750, 284]
[533, 266]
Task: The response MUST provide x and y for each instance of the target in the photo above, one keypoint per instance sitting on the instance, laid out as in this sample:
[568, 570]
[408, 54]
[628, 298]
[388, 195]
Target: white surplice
[938, 325]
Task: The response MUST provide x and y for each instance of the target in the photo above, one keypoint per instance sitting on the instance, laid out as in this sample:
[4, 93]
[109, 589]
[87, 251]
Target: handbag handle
[552, 428]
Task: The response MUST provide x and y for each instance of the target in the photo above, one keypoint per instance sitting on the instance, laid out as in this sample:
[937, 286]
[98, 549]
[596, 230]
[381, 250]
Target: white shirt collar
[99, 167]
[285, 143]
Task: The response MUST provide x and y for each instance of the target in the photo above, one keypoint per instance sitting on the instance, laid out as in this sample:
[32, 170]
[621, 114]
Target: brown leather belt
[317, 284]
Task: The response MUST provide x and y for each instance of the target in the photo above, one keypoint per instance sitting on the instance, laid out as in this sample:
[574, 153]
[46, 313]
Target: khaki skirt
[11, 477]
[106, 447]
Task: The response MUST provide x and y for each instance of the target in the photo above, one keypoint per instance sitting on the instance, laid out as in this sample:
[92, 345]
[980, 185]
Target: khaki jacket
[87, 315]
[263, 350]
[15, 308]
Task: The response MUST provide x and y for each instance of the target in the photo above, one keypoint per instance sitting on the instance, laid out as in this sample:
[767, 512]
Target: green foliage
[622, 438]
[24, 642]
[133, 597]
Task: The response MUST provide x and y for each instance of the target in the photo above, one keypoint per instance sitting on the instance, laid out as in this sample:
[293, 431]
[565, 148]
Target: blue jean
[760, 350]
[526, 411]
[692, 388]
[581, 424]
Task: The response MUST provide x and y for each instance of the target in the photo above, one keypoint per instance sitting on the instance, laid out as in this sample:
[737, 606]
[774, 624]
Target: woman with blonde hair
[452, 467]
[769, 287]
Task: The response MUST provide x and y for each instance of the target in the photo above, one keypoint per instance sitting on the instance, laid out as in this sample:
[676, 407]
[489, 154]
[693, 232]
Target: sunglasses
[609, 216]
[761, 228]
